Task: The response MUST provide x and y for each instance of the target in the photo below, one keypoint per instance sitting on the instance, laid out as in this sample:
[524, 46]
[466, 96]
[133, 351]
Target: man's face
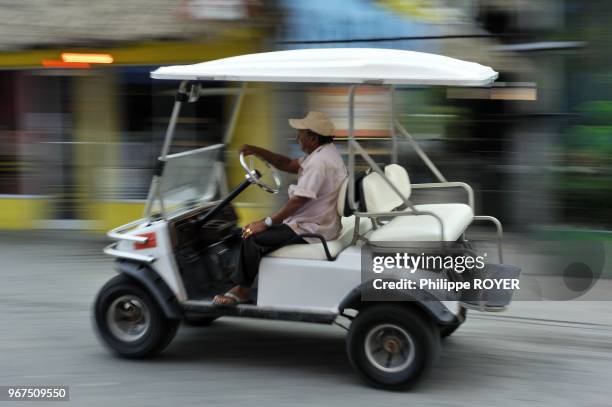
[306, 141]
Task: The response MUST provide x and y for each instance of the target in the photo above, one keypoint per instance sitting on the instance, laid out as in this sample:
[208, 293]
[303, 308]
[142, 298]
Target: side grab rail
[500, 233]
[468, 189]
[413, 212]
[316, 236]
[112, 251]
[119, 232]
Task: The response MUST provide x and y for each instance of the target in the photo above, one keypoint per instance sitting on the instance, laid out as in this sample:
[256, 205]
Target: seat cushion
[315, 251]
[424, 228]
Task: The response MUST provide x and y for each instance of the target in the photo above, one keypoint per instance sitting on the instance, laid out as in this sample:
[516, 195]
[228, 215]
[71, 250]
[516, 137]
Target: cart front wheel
[129, 321]
[391, 346]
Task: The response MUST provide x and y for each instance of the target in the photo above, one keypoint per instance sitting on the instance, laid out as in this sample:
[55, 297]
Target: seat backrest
[342, 197]
[378, 195]
[343, 207]
[399, 177]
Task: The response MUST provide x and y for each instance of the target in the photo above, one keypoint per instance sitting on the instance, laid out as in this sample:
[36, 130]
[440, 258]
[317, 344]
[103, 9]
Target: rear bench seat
[379, 197]
[314, 251]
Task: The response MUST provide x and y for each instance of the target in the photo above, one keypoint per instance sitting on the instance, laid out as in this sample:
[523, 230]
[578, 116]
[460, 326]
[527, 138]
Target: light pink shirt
[319, 178]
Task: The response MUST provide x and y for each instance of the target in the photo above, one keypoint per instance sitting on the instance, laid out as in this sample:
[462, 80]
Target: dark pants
[255, 247]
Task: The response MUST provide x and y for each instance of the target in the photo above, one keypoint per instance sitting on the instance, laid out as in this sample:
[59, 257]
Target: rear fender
[423, 300]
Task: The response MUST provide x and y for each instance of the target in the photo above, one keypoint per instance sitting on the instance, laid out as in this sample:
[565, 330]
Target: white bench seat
[314, 251]
[424, 228]
[379, 197]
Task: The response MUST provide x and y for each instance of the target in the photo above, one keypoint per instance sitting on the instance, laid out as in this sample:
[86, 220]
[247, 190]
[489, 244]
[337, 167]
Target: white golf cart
[173, 261]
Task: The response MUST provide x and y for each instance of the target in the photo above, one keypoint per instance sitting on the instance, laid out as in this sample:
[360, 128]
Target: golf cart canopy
[337, 65]
[354, 67]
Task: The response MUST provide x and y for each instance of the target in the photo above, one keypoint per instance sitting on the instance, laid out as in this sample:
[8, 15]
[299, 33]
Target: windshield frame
[209, 192]
[189, 92]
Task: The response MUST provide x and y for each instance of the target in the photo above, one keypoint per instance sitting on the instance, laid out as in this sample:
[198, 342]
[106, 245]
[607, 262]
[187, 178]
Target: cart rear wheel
[129, 321]
[392, 346]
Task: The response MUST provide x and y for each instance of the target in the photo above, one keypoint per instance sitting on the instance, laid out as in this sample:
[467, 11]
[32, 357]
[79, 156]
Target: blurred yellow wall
[95, 108]
[229, 43]
[23, 213]
[253, 127]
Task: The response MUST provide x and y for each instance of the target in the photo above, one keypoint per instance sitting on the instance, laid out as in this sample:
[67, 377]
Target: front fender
[424, 300]
[157, 287]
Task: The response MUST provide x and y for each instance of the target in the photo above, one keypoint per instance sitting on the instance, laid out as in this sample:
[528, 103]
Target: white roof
[337, 65]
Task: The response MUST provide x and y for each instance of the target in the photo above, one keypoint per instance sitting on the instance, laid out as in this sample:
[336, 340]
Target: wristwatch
[268, 221]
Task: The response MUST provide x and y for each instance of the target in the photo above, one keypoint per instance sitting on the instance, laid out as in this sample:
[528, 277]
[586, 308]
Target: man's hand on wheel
[253, 228]
[248, 149]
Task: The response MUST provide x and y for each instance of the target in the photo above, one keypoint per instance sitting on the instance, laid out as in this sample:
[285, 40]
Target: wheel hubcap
[389, 348]
[128, 318]
[392, 345]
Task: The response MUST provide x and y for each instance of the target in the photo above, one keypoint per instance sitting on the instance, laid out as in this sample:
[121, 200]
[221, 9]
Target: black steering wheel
[255, 176]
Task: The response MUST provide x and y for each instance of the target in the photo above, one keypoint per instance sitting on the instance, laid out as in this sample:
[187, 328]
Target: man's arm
[278, 161]
[289, 208]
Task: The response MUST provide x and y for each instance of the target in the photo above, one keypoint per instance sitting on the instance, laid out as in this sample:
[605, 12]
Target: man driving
[311, 207]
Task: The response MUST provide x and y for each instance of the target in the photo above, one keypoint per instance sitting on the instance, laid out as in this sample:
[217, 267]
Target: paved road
[538, 354]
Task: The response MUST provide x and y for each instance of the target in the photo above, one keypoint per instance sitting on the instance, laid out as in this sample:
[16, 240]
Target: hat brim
[298, 124]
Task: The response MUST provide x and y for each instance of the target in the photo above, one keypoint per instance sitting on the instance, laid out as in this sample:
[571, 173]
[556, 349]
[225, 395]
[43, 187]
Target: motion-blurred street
[538, 353]
[82, 124]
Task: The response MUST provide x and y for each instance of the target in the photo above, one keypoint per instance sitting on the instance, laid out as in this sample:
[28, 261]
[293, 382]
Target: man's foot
[235, 296]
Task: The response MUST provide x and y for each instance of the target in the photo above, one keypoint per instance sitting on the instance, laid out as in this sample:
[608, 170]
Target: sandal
[235, 300]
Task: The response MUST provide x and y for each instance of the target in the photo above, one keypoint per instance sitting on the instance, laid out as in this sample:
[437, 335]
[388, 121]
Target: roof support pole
[229, 131]
[351, 152]
[176, 109]
[420, 152]
[394, 145]
[154, 188]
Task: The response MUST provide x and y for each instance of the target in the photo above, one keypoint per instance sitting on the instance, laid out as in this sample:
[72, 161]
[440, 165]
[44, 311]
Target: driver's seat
[315, 251]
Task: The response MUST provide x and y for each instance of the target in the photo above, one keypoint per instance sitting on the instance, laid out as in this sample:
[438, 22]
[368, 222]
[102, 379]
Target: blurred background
[78, 140]
[82, 123]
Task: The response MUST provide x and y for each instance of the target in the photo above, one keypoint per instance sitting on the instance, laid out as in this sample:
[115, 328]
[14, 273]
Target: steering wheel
[255, 176]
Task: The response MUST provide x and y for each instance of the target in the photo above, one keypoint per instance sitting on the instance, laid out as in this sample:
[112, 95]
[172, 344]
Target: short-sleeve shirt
[319, 178]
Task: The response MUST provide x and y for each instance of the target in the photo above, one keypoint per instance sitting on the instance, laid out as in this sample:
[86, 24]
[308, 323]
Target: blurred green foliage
[586, 181]
[427, 112]
[594, 137]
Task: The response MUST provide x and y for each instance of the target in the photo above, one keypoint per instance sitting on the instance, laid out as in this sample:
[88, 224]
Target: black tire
[448, 330]
[192, 320]
[158, 330]
[424, 342]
